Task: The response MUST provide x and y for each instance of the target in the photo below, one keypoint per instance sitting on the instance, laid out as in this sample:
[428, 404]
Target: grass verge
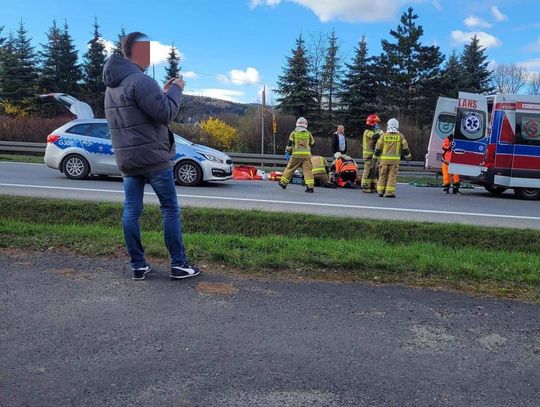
[22, 158]
[486, 260]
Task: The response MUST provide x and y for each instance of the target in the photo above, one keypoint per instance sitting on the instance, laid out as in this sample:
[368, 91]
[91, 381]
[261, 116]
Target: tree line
[403, 81]
[26, 72]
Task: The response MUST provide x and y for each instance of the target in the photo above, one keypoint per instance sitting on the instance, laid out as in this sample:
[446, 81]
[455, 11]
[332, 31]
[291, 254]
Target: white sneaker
[185, 271]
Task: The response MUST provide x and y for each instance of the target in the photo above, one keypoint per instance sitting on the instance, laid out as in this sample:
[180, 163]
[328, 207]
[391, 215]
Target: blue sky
[231, 48]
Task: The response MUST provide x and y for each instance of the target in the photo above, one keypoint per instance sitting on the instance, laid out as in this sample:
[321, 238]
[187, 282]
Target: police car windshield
[181, 140]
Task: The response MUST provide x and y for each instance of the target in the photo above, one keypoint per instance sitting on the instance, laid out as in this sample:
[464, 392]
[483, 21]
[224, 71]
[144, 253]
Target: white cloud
[437, 4]
[109, 45]
[159, 52]
[531, 64]
[497, 14]
[189, 74]
[486, 40]
[224, 94]
[473, 22]
[346, 10]
[535, 46]
[238, 77]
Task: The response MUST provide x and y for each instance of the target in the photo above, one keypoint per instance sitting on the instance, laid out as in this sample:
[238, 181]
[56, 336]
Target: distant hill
[195, 108]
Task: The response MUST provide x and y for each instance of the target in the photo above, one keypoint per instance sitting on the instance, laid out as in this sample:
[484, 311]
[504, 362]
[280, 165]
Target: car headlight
[214, 158]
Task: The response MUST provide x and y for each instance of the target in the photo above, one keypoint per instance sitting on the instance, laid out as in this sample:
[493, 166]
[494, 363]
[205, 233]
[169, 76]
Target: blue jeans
[163, 185]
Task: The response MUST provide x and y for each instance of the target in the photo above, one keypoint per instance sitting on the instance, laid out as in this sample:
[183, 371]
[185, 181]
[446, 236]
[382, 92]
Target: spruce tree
[69, 71]
[172, 70]
[477, 76]
[359, 95]
[50, 59]
[117, 50]
[8, 71]
[26, 72]
[453, 76]
[410, 71]
[295, 86]
[94, 60]
[2, 45]
[332, 76]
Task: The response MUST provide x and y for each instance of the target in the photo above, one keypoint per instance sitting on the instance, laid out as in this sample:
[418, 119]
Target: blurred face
[341, 129]
[140, 54]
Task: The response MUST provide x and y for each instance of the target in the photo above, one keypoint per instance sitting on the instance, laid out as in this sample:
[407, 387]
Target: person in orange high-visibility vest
[345, 171]
[446, 159]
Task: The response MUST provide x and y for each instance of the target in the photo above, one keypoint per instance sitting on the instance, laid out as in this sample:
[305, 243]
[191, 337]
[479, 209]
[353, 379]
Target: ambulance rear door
[443, 125]
[470, 135]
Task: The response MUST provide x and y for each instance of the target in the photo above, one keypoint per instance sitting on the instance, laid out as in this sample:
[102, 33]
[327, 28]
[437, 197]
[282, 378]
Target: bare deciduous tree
[534, 87]
[509, 78]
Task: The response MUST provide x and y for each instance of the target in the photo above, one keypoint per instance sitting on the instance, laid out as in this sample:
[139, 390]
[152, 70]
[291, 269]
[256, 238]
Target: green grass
[498, 261]
[22, 158]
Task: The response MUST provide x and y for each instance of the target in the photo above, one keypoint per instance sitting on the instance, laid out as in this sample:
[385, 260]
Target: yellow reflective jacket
[391, 147]
[368, 143]
[300, 143]
[319, 165]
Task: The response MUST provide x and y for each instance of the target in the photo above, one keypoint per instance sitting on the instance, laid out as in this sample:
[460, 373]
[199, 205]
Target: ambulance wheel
[495, 189]
[529, 194]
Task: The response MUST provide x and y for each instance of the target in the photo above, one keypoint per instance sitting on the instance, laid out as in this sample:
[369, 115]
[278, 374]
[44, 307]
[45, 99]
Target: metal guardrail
[270, 159]
[238, 158]
[22, 147]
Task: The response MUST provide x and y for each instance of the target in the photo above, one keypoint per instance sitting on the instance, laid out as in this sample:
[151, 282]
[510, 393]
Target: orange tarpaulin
[245, 172]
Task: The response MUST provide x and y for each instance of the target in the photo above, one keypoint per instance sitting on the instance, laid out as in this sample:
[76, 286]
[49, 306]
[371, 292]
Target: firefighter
[345, 171]
[390, 147]
[298, 154]
[321, 172]
[371, 136]
[446, 159]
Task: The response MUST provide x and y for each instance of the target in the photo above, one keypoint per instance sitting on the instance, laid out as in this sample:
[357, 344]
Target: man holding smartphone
[138, 112]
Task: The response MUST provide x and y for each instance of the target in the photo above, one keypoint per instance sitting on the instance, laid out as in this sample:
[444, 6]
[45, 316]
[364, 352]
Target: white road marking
[19, 163]
[273, 201]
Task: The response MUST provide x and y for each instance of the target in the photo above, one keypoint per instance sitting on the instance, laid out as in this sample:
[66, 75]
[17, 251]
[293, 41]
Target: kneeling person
[321, 172]
[345, 171]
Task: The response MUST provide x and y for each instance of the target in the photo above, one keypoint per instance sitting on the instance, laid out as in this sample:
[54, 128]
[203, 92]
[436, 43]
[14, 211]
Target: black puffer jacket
[138, 113]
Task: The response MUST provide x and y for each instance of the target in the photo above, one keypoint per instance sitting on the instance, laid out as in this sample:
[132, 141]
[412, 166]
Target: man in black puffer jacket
[138, 113]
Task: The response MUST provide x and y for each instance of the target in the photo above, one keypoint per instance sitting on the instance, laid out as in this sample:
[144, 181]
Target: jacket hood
[116, 69]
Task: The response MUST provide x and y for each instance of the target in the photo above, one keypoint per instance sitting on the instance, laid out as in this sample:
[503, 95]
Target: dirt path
[77, 331]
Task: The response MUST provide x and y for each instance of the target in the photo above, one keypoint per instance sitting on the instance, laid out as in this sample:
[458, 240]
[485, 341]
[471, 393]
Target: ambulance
[496, 141]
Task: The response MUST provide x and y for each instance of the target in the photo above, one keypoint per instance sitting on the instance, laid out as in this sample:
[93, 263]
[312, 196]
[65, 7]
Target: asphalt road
[474, 206]
[75, 331]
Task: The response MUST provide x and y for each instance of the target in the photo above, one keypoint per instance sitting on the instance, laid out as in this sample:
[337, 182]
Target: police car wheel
[188, 173]
[75, 166]
[527, 193]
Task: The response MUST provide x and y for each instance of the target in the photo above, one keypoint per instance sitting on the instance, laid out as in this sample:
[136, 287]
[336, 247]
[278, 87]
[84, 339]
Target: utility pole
[274, 130]
[262, 120]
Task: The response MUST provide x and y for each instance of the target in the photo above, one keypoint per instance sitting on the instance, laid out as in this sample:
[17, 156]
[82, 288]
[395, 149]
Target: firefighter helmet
[302, 122]
[392, 126]
[372, 120]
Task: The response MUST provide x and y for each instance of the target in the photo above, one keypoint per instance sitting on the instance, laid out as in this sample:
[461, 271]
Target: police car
[83, 147]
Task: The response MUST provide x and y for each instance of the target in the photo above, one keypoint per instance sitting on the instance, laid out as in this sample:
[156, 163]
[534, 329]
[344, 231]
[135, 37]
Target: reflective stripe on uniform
[301, 144]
